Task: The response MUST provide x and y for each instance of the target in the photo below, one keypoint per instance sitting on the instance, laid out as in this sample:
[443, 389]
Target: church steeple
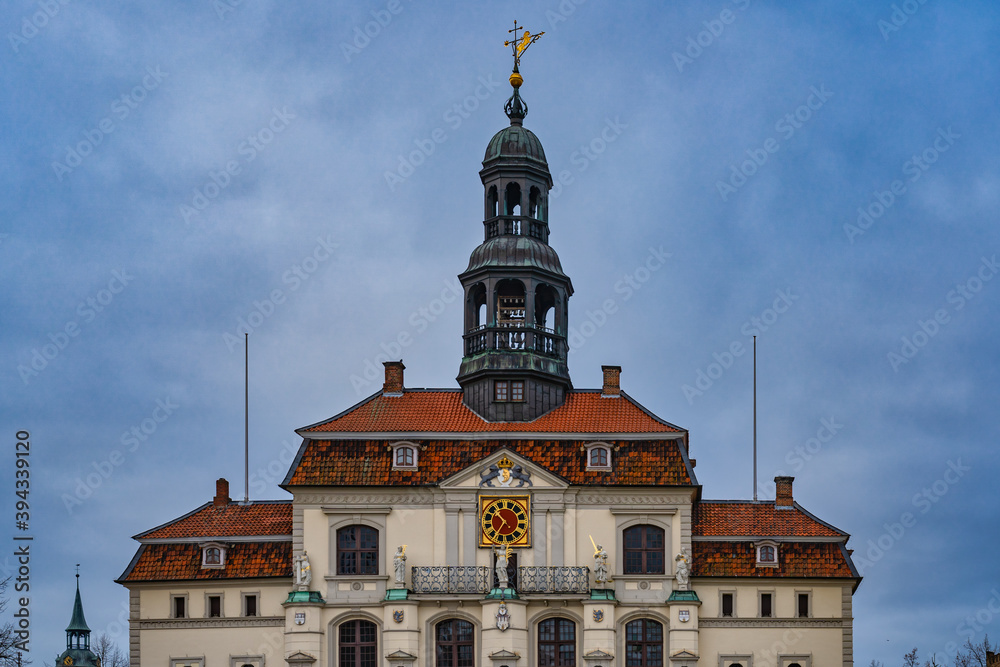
[78, 653]
[516, 294]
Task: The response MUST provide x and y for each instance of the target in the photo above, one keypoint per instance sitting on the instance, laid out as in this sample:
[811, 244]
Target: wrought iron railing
[517, 225]
[536, 339]
[479, 580]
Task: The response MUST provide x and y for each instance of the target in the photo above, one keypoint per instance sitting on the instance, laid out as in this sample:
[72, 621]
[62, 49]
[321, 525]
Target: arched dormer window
[767, 553]
[213, 555]
[598, 456]
[404, 456]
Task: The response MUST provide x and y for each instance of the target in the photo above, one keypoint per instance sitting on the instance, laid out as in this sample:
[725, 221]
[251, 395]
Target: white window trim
[243, 603]
[808, 594]
[204, 554]
[173, 606]
[222, 603]
[785, 659]
[767, 543]
[729, 592]
[240, 660]
[589, 447]
[416, 454]
[727, 660]
[760, 603]
[187, 662]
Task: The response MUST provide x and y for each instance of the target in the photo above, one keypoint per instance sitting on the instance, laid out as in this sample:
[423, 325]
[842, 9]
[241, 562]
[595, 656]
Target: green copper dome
[515, 141]
[515, 252]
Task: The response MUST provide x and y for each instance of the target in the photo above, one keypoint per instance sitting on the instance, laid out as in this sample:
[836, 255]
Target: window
[357, 550]
[454, 644]
[213, 606]
[766, 605]
[250, 604]
[187, 662]
[404, 456]
[500, 390]
[643, 644]
[643, 550]
[358, 644]
[802, 605]
[767, 554]
[517, 390]
[178, 606]
[599, 456]
[557, 643]
[213, 555]
[728, 604]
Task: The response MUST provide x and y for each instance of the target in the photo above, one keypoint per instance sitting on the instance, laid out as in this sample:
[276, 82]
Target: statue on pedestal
[682, 570]
[600, 565]
[303, 573]
[503, 558]
[399, 564]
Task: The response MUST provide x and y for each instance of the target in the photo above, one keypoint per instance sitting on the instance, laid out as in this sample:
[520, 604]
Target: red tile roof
[733, 518]
[795, 559]
[182, 562]
[442, 411]
[369, 462]
[263, 517]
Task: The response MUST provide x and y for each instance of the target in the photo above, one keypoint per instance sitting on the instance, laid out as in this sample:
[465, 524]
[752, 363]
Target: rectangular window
[517, 390]
[500, 389]
[727, 604]
[803, 605]
[179, 607]
[250, 605]
[765, 606]
[214, 606]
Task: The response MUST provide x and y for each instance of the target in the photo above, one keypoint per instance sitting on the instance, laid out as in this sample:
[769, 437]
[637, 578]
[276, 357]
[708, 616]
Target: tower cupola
[516, 295]
[78, 653]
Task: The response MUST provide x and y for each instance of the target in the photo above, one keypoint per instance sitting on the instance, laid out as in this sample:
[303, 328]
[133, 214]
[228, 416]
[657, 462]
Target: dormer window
[404, 456]
[508, 391]
[598, 456]
[213, 556]
[767, 554]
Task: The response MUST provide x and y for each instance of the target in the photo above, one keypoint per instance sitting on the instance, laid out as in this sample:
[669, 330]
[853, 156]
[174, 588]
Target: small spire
[78, 623]
[515, 107]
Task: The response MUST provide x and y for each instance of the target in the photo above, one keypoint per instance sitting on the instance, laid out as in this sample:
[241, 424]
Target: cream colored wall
[216, 645]
[155, 599]
[825, 597]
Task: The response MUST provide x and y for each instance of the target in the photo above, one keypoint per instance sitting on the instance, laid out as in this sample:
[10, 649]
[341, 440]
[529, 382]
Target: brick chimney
[783, 491]
[612, 381]
[393, 385]
[221, 493]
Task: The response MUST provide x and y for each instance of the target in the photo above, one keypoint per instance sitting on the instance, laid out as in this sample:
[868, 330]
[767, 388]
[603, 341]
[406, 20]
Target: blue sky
[824, 174]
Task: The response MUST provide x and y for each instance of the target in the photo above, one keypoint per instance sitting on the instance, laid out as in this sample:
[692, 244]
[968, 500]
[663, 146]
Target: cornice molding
[192, 623]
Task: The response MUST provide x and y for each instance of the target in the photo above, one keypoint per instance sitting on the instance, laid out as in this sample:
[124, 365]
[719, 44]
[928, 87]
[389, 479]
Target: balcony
[481, 579]
[517, 225]
[539, 340]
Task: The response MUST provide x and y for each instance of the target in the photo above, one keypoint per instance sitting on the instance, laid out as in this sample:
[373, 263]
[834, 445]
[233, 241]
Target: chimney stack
[221, 493]
[783, 491]
[393, 378]
[612, 381]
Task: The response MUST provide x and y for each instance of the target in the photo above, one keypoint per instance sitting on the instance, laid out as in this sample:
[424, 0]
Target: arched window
[557, 643]
[643, 643]
[404, 457]
[533, 199]
[454, 643]
[512, 199]
[767, 554]
[598, 457]
[213, 556]
[358, 644]
[643, 546]
[357, 550]
[492, 202]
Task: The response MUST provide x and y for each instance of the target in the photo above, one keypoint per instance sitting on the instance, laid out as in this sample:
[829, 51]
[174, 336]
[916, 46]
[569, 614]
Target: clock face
[504, 521]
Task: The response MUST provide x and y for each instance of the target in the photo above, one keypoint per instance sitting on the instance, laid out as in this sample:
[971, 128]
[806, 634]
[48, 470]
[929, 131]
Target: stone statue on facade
[682, 570]
[600, 565]
[303, 573]
[503, 557]
[399, 564]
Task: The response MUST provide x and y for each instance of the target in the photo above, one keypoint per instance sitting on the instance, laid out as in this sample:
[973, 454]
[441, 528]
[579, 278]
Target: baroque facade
[513, 521]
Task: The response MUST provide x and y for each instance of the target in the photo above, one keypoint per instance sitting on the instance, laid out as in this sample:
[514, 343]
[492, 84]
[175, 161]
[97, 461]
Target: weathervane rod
[246, 419]
[755, 419]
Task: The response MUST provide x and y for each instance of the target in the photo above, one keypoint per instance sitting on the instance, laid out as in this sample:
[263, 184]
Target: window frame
[644, 550]
[210, 546]
[358, 551]
[771, 603]
[173, 605]
[557, 643]
[188, 662]
[644, 642]
[729, 660]
[594, 447]
[809, 607]
[454, 643]
[208, 604]
[759, 548]
[722, 604]
[358, 644]
[397, 448]
[501, 391]
[244, 596]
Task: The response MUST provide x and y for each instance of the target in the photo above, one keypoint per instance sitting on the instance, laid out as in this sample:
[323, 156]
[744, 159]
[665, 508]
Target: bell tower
[516, 294]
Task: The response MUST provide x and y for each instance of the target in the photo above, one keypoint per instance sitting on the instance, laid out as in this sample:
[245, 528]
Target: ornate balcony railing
[517, 225]
[479, 580]
[553, 580]
[539, 340]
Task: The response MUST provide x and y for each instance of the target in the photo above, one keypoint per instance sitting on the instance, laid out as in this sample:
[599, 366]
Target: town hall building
[512, 521]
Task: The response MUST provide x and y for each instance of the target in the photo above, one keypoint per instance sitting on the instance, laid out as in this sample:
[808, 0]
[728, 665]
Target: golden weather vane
[520, 44]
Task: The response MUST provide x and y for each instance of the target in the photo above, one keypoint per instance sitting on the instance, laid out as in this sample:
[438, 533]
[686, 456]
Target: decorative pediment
[300, 659]
[504, 469]
[504, 658]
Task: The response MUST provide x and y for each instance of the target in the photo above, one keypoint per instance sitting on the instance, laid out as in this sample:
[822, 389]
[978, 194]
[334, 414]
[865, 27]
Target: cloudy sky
[823, 174]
